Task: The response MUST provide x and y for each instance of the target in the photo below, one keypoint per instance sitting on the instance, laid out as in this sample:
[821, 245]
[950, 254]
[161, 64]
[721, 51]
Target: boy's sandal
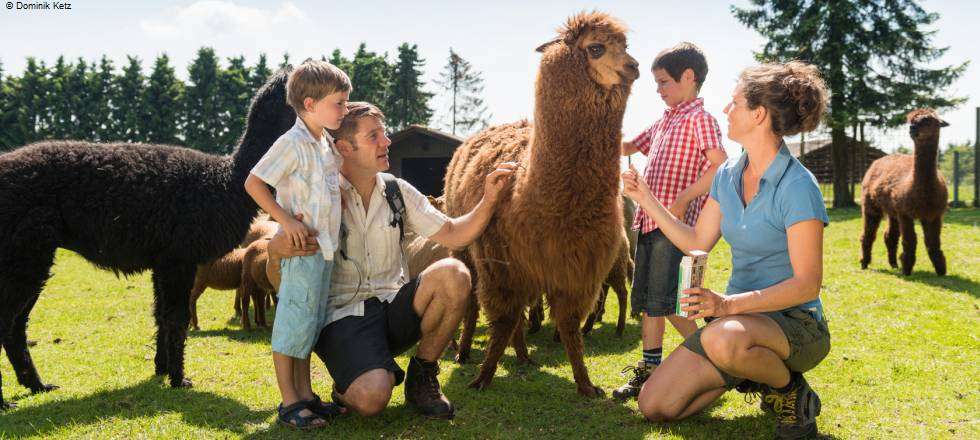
[335, 396]
[289, 416]
[326, 410]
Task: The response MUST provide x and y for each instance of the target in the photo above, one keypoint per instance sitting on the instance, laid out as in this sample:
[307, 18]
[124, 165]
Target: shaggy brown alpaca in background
[259, 281]
[225, 273]
[906, 188]
[551, 233]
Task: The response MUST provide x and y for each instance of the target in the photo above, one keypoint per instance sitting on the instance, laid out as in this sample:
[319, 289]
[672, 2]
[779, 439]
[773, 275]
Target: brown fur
[905, 188]
[225, 273]
[257, 278]
[549, 232]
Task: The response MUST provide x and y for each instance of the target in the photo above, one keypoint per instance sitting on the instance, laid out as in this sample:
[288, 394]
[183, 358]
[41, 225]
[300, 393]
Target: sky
[498, 38]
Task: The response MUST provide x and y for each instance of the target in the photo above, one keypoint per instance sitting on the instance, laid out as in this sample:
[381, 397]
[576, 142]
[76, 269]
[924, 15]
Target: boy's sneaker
[796, 410]
[423, 392]
[631, 389]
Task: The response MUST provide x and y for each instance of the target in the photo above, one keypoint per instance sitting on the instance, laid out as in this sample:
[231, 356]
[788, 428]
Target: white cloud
[212, 19]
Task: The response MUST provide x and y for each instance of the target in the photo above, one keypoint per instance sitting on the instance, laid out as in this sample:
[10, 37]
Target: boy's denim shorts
[655, 280]
[302, 308]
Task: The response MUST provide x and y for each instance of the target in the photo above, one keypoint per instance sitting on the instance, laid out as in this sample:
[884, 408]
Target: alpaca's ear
[943, 123]
[544, 46]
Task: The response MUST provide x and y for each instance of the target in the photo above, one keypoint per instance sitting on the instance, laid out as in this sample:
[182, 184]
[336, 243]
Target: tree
[202, 104]
[342, 63]
[101, 85]
[128, 103]
[235, 94]
[369, 75]
[464, 84]
[407, 102]
[874, 54]
[30, 101]
[85, 124]
[8, 114]
[259, 75]
[162, 104]
[59, 100]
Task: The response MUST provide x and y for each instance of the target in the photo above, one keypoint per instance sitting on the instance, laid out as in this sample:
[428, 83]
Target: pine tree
[464, 85]
[8, 114]
[259, 74]
[337, 59]
[79, 95]
[58, 100]
[407, 102]
[370, 75]
[128, 105]
[162, 104]
[233, 88]
[203, 104]
[875, 55]
[30, 99]
[101, 85]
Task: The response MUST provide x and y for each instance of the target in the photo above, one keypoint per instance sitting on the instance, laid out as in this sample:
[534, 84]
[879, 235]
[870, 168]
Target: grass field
[905, 363]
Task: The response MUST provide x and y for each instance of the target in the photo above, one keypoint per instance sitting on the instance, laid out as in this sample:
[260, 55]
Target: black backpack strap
[393, 195]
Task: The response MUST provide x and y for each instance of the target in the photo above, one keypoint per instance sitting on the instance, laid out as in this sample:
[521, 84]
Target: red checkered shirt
[675, 147]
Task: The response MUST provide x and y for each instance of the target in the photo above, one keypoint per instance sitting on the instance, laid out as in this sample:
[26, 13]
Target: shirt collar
[776, 168]
[347, 186]
[302, 128]
[687, 107]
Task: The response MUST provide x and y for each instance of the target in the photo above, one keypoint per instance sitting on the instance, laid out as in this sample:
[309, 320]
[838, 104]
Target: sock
[653, 356]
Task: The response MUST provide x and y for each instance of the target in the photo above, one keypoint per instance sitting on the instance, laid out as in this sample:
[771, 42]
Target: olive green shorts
[809, 341]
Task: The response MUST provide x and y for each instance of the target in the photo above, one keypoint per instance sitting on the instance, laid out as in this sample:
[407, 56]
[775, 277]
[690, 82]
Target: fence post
[956, 181]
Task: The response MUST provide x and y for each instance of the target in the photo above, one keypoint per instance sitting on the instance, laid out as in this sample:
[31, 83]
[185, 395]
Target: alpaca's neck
[575, 148]
[251, 148]
[926, 157]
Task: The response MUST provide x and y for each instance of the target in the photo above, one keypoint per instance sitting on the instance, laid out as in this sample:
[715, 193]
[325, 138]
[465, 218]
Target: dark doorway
[426, 173]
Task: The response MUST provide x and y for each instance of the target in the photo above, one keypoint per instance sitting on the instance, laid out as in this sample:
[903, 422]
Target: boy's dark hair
[681, 57]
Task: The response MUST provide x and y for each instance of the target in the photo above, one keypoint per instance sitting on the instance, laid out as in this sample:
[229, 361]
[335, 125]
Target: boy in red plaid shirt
[683, 149]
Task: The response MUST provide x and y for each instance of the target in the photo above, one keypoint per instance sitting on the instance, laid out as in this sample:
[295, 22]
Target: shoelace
[429, 381]
[638, 374]
[784, 405]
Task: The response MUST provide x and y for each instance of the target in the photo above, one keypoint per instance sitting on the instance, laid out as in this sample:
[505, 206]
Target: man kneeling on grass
[375, 311]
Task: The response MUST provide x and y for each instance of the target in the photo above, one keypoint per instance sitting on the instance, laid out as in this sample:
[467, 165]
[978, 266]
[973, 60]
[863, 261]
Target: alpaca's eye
[596, 50]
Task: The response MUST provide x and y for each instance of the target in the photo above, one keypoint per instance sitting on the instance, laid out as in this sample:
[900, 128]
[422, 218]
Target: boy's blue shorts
[302, 309]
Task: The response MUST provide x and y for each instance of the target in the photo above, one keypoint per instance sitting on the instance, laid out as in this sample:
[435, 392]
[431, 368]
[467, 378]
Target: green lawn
[905, 363]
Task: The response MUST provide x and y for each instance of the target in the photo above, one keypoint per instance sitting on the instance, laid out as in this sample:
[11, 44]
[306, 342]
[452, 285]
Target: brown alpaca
[551, 233]
[259, 281]
[906, 188]
[618, 279]
[225, 273]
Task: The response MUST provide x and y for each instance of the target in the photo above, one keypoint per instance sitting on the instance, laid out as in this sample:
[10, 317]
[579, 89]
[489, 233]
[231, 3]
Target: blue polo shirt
[788, 194]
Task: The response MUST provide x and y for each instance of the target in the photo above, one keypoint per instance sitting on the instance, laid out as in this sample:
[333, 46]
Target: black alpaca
[126, 208]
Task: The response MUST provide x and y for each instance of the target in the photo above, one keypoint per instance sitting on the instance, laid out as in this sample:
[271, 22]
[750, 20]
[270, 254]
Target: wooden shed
[420, 155]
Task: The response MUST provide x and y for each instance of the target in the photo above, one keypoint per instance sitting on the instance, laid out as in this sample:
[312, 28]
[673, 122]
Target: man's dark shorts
[355, 345]
[809, 341]
[655, 281]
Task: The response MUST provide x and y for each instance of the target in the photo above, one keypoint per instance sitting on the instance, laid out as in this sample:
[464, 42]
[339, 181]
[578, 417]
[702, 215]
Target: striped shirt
[304, 170]
[375, 265]
[675, 147]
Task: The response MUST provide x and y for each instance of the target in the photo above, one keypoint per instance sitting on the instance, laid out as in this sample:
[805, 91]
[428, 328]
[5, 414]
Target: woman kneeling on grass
[769, 326]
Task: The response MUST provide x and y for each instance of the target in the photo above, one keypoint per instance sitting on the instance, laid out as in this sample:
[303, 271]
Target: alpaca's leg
[871, 221]
[891, 241]
[238, 303]
[196, 292]
[171, 286]
[620, 289]
[243, 304]
[469, 326]
[535, 317]
[931, 229]
[596, 314]
[519, 343]
[15, 344]
[907, 225]
[258, 298]
[502, 324]
[26, 257]
[567, 310]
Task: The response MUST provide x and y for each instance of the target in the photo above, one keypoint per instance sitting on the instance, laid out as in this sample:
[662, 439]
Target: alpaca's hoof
[183, 383]
[462, 357]
[480, 383]
[864, 265]
[556, 337]
[453, 345]
[534, 327]
[591, 391]
[43, 388]
[619, 331]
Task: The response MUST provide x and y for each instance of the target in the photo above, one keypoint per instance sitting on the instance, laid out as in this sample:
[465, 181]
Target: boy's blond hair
[314, 79]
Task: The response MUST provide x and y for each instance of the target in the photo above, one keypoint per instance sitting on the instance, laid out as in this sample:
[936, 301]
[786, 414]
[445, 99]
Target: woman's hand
[634, 187]
[704, 303]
